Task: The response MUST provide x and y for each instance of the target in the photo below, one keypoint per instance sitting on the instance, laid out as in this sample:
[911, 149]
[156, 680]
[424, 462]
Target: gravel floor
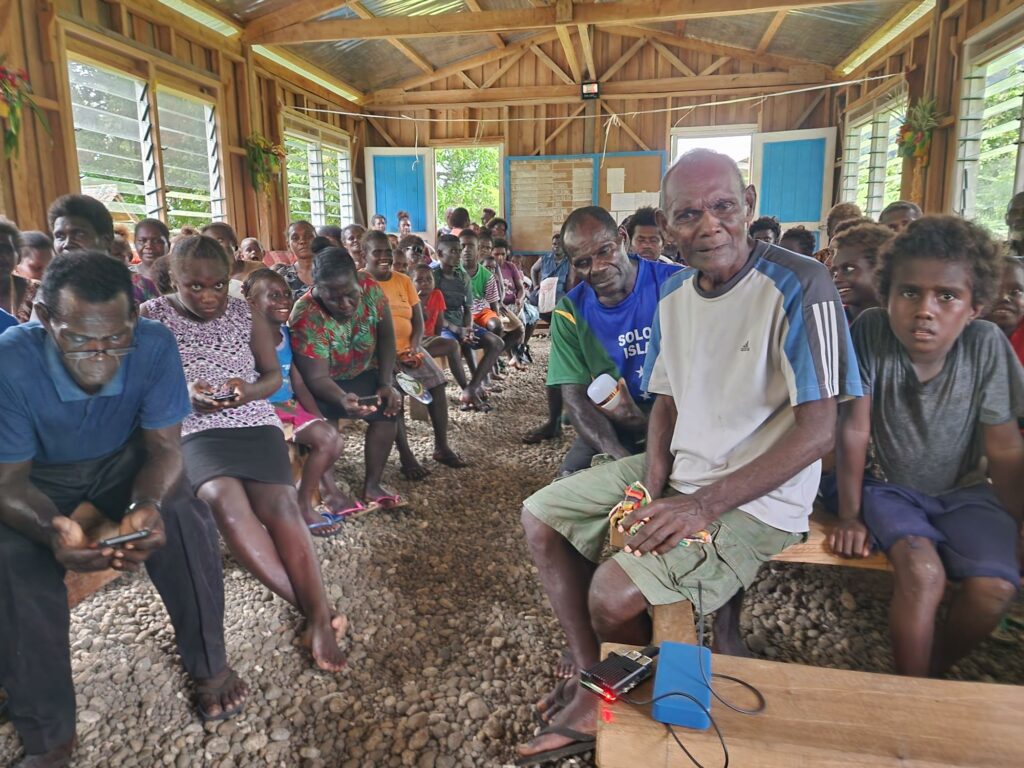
[451, 639]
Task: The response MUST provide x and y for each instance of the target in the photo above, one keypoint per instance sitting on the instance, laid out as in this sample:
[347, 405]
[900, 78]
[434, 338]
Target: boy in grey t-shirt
[943, 392]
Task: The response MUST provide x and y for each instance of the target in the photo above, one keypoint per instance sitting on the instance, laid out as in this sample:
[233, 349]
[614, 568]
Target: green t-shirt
[479, 282]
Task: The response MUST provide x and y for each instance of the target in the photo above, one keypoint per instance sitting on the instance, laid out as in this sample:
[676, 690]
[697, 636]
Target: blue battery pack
[678, 672]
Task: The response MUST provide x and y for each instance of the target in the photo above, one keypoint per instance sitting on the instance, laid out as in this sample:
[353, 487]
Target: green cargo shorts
[577, 507]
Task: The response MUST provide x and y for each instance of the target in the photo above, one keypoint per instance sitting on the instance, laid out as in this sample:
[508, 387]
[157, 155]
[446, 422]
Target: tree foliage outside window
[872, 166]
[467, 177]
[319, 182]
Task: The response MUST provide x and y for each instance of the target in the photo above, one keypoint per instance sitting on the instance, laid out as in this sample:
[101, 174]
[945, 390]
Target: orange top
[402, 297]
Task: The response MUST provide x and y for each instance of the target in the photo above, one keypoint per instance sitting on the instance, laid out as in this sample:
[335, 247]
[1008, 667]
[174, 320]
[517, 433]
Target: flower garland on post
[15, 95]
[264, 160]
[915, 141]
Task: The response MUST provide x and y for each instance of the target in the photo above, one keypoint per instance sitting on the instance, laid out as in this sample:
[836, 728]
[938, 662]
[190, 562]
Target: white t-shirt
[737, 360]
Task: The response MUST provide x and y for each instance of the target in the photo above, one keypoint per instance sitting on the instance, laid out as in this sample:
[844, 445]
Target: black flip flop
[206, 689]
[562, 696]
[583, 742]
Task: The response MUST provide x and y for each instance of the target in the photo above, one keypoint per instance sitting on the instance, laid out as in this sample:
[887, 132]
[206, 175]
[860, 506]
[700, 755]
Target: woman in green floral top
[344, 345]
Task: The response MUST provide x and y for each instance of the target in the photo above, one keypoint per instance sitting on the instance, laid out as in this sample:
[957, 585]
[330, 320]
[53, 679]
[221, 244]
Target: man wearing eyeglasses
[91, 404]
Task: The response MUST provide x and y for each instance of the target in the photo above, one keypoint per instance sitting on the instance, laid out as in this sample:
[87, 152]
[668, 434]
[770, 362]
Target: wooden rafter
[809, 111]
[467, 80]
[672, 59]
[569, 48]
[495, 38]
[623, 59]
[447, 24]
[895, 20]
[769, 34]
[588, 50]
[479, 60]
[561, 127]
[551, 64]
[510, 62]
[294, 13]
[363, 12]
[623, 124]
[714, 66]
[659, 88]
[704, 46]
[380, 129]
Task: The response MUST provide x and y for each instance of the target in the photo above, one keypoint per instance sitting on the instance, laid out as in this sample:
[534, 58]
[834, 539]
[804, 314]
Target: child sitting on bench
[942, 395]
[271, 300]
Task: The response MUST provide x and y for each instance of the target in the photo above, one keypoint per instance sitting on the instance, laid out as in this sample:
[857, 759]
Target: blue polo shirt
[46, 418]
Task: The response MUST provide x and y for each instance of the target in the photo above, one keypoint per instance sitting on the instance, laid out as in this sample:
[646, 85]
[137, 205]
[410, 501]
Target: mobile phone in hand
[224, 396]
[120, 541]
[367, 401]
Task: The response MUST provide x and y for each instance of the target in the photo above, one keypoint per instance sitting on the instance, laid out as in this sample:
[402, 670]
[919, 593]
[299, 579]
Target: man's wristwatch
[154, 503]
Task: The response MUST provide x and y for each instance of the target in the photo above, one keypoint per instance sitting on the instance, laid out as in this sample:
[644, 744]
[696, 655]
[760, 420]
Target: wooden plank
[826, 718]
[494, 37]
[565, 37]
[292, 13]
[624, 125]
[872, 40]
[672, 59]
[520, 46]
[467, 80]
[505, 67]
[816, 551]
[363, 12]
[716, 65]
[550, 64]
[447, 24]
[561, 127]
[623, 59]
[808, 112]
[674, 623]
[769, 34]
[380, 129]
[587, 44]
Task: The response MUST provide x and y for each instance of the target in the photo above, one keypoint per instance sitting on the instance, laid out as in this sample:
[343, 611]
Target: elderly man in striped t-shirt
[748, 357]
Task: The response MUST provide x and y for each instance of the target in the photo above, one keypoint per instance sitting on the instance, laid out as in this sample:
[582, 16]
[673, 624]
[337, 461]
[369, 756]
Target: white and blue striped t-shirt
[738, 359]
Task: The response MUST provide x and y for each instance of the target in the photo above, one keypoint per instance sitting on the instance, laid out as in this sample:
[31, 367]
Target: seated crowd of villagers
[160, 378]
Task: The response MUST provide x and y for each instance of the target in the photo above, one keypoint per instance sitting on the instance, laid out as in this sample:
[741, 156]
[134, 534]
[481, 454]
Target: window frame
[321, 137]
[716, 132]
[877, 114]
[979, 52]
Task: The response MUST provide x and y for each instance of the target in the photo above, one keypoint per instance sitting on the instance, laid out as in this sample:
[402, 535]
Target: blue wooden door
[399, 184]
[793, 176]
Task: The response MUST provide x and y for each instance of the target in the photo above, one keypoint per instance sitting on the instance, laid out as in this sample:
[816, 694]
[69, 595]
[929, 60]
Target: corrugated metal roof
[825, 35]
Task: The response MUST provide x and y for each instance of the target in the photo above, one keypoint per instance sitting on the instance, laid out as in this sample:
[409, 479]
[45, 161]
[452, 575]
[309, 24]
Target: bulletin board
[542, 191]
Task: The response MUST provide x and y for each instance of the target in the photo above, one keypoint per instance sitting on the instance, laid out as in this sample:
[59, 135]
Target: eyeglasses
[115, 352]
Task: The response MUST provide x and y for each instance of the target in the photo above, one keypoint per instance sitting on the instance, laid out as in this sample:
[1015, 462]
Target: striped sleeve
[819, 361]
[491, 292]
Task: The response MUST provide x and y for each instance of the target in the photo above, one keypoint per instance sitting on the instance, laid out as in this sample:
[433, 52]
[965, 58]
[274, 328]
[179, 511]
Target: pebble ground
[451, 639]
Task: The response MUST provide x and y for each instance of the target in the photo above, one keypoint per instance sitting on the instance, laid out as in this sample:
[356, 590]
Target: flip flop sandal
[561, 698]
[358, 510]
[393, 501]
[582, 742]
[206, 689]
[326, 528]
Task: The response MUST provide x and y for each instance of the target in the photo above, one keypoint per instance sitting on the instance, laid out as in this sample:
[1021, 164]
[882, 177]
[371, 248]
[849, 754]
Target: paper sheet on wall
[616, 180]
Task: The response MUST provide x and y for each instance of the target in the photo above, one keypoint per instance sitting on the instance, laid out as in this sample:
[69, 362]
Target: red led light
[606, 714]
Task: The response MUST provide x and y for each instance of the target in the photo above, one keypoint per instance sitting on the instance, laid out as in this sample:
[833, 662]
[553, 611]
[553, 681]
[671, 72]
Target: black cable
[672, 731]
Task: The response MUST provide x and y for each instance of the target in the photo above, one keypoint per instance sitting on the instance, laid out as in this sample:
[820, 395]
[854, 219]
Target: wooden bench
[827, 718]
[81, 585]
[816, 551]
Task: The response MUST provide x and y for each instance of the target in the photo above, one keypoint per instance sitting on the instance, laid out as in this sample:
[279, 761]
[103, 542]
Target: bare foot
[565, 667]
[414, 471]
[449, 458]
[558, 699]
[339, 623]
[220, 695]
[324, 647]
[338, 501]
[543, 432]
[579, 715]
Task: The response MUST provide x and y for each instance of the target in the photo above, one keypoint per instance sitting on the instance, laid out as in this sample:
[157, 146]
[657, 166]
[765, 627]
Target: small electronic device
[619, 673]
[367, 401]
[119, 541]
[679, 678]
[222, 396]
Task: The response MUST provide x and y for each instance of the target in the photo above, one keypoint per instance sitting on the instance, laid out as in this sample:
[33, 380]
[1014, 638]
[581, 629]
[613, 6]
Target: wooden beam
[447, 24]
[623, 59]
[588, 50]
[467, 80]
[808, 112]
[561, 127]
[681, 86]
[293, 13]
[565, 37]
[363, 12]
[520, 46]
[624, 125]
[769, 34]
[672, 59]
[703, 46]
[510, 62]
[716, 65]
[495, 38]
[380, 129]
[550, 63]
[290, 60]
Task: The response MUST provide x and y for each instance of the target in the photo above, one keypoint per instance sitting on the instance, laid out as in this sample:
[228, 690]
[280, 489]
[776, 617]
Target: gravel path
[451, 639]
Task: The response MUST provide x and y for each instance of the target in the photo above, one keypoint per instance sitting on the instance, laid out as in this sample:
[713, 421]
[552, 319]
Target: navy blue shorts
[973, 534]
[477, 331]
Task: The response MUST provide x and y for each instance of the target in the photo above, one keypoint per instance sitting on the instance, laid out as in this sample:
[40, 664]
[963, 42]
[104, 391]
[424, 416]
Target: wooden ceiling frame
[769, 34]
[545, 17]
[296, 13]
